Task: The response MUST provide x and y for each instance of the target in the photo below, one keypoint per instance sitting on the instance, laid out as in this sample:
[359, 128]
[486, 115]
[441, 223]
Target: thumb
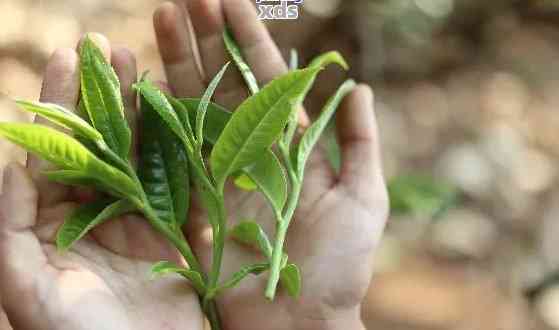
[21, 255]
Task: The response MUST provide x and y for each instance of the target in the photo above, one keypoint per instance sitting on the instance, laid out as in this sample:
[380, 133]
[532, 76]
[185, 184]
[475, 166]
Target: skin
[103, 283]
[340, 217]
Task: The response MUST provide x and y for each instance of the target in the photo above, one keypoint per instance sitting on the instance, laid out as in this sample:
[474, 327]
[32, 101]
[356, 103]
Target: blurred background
[467, 95]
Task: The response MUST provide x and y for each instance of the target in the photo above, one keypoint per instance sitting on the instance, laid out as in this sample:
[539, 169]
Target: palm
[104, 281]
[339, 218]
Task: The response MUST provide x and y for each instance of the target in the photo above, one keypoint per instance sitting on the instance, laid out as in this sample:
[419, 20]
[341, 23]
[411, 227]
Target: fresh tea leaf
[77, 178]
[329, 58]
[67, 153]
[163, 168]
[204, 102]
[237, 277]
[290, 278]
[257, 123]
[216, 118]
[250, 233]
[101, 98]
[420, 195]
[156, 98]
[245, 183]
[184, 116]
[313, 133]
[87, 217]
[268, 175]
[62, 117]
[236, 55]
[164, 267]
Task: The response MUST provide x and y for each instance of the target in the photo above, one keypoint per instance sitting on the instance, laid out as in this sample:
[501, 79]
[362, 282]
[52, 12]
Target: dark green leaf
[87, 217]
[250, 233]
[420, 195]
[68, 154]
[204, 102]
[290, 278]
[195, 278]
[313, 133]
[237, 57]
[216, 118]
[156, 98]
[101, 98]
[62, 117]
[163, 168]
[258, 122]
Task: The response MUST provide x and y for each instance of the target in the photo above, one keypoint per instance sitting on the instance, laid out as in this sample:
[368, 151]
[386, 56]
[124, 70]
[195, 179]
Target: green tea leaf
[101, 98]
[313, 133]
[184, 116]
[156, 98]
[62, 117]
[250, 233]
[87, 217]
[293, 60]
[329, 58]
[216, 118]
[268, 175]
[237, 277]
[67, 153]
[164, 267]
[421, 195]
[290, 278]
[245, 183]
[163, 168]
[204, 102]
[258, 122]
[237, 57]
[77, 178]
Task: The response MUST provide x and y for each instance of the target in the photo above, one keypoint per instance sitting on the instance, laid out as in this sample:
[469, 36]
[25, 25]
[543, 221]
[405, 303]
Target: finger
[124, 63]
[21, 255]
[358, 136]
[175, 47]
[256, 43]
[61, 85]
[209, 23]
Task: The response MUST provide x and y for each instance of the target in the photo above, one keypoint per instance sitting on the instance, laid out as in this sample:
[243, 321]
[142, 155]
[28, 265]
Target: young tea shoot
[186, 142]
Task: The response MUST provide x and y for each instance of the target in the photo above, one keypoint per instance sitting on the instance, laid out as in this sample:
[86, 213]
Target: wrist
[343, 320]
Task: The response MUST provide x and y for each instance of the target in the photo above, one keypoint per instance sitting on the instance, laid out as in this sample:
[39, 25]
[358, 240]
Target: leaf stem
[282, 226]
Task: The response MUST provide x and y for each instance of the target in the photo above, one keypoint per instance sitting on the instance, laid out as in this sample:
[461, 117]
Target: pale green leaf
[258, 122]
[102, 100]
[245, 183]
[216, 118]
[237, 277]
[313, 133]
[67, 153]
[62, 117]
[87, 217]
[237, 57]
[250, 233]
[204, 102]
[196, 280]
[268, 175]
[329, 58]
[290, 278]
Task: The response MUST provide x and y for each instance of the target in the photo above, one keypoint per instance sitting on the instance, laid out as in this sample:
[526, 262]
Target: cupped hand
[103, 282]
[340, 217]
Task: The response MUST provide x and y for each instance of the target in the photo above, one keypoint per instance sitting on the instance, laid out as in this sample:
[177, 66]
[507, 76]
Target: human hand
[340, 217]
[103, 282]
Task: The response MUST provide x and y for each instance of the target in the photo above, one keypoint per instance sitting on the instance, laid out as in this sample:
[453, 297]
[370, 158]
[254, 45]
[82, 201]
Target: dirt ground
[467, 91]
